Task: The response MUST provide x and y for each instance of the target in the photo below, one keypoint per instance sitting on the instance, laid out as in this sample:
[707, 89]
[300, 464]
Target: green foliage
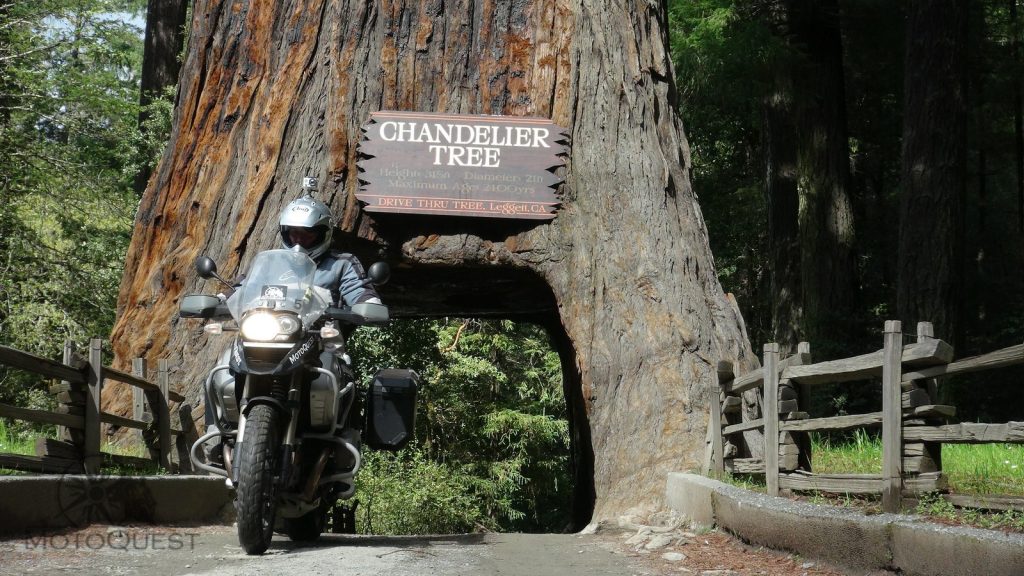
[409, 493]
[725, 53]
[934, 506]
[491, 416]
[722, 59]
[13, 442]
[69, 149]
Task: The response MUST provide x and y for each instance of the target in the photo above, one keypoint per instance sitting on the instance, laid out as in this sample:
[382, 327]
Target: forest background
[855, 161]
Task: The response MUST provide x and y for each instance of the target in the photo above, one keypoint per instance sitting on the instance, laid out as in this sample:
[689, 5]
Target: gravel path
[214, 551]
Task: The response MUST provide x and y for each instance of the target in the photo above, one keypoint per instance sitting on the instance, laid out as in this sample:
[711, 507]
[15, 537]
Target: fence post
[802, 439]
[892, 417]
[63, 432]
[716, 427]
[770, 411]
[921, 457]
[794, 447]
[138, 395]
[162, 414]
[92, 457]
[926, 331]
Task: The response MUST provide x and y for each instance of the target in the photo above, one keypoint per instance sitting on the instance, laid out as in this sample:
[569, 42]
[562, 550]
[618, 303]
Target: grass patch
[752, 482]
[971, 469]
[975, 469]
[981, 469]
[135, 449]
[936, 508]
[21, 443]
[858, 454]
[14, 443]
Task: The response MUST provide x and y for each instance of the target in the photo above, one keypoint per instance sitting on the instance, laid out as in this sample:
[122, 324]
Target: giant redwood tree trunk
[781, 191]
[828, 264]
[934, 166]
[276, 90]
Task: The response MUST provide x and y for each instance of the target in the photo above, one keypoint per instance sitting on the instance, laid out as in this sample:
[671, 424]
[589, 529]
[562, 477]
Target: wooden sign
[459, 164]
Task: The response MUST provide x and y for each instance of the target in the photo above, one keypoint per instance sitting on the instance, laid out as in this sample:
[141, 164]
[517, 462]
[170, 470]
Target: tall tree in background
[810, 217]
[934, 158]
[720, 55]
[1018, 114]
[780, 183]
[828, 266]
[165, 38]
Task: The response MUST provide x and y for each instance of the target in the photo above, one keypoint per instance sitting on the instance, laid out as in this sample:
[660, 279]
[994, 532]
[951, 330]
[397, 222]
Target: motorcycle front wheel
[257, 497]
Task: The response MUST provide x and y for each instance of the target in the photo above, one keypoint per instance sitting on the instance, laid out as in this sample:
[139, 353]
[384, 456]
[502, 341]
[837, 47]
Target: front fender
[269, 401]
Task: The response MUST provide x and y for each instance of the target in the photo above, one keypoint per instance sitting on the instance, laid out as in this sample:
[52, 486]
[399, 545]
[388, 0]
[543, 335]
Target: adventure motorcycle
[285, 400]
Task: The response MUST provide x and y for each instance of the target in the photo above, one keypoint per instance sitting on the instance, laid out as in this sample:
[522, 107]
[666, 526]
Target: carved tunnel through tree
[502, 292]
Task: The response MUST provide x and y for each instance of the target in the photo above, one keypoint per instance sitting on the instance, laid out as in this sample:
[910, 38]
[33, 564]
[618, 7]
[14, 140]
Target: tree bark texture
[934, 160]
[828, 265]
[273, 91]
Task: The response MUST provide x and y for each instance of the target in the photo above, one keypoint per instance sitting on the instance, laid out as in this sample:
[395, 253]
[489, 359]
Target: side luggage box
[391, 409]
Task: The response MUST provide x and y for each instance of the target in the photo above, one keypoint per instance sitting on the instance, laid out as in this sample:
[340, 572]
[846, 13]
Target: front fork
[288, 449]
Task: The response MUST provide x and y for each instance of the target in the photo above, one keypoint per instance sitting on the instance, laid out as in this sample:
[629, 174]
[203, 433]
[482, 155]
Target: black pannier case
[391, 409]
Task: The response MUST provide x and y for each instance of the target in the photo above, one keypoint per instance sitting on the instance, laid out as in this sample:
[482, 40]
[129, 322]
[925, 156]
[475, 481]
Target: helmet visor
[305, 237]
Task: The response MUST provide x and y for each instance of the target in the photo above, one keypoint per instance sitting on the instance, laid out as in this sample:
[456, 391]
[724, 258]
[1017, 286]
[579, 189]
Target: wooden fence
[79, 415]
[913, 427]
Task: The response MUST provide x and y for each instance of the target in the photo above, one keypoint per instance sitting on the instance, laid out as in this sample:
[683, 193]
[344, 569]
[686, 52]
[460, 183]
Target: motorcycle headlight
[264, 326]
[288, 324]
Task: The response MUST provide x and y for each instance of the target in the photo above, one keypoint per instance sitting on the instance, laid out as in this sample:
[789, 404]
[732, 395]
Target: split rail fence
[80, 382]
[913, 426]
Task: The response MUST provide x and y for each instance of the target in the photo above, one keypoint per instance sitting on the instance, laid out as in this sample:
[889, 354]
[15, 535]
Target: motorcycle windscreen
[280, 280]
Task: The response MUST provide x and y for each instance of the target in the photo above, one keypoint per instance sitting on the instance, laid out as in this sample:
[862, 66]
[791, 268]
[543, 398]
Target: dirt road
[214, 551]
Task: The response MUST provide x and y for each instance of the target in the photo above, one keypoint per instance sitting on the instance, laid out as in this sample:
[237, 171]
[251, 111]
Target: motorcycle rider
[306, 224]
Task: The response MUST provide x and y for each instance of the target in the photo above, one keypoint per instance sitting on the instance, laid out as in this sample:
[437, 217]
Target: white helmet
[312, 215]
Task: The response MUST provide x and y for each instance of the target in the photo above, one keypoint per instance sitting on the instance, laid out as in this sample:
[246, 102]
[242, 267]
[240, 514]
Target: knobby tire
[256, 496]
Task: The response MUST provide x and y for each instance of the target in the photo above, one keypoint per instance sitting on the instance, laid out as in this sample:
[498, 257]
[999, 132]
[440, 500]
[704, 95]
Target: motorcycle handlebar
[359, 314]
[344, 315]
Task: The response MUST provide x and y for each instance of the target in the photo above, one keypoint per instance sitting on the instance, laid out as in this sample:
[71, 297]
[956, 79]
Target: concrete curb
[32, 504]
[844, 537]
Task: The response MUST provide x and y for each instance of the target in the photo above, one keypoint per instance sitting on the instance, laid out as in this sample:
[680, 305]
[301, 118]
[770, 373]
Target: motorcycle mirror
[206, 267]
[379, 273]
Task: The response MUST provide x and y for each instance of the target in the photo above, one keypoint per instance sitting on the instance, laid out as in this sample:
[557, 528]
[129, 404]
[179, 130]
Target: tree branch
[458, 334]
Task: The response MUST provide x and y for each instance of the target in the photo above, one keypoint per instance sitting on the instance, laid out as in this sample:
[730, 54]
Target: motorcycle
[284, 397]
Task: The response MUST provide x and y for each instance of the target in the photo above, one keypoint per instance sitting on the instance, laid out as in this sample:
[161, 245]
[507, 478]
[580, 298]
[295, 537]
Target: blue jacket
[341, 272]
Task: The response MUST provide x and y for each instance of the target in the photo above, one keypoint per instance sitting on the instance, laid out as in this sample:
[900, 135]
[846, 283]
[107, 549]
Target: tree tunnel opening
[494, 338]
